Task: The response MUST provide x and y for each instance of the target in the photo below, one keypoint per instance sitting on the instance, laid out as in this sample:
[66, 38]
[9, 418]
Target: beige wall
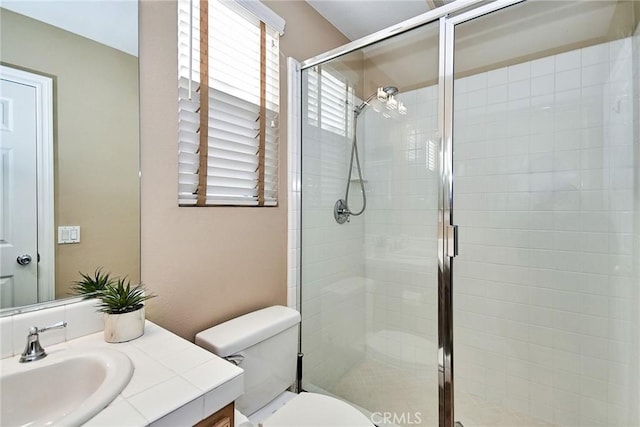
[95, 143]
[208, 265]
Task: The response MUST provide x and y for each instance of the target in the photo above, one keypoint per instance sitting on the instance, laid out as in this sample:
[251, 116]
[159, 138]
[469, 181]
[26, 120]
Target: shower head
[390, 90]
[383, 94]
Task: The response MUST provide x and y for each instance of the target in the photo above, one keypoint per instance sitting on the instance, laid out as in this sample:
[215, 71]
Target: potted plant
[123, 306]
[89, 286]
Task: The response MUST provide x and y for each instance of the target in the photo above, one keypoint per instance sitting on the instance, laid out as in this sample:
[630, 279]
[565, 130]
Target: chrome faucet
[33, 350]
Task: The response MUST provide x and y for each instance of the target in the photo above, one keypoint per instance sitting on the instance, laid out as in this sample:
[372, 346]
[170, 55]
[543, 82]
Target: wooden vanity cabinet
[222, 418]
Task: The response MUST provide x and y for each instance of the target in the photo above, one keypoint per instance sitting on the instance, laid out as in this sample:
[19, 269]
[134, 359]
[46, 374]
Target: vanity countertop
[174, 383]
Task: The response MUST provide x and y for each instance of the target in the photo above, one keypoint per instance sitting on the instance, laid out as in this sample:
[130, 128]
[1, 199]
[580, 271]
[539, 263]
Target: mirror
[73, 205]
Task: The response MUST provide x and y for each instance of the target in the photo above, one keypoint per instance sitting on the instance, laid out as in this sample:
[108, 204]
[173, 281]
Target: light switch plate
[68, 234]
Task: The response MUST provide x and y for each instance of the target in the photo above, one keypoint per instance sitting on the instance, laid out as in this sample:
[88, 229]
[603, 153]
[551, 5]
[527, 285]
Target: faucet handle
[59, 325]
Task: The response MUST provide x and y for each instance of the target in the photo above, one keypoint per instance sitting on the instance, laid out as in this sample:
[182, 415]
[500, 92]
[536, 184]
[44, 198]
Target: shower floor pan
[384, 388]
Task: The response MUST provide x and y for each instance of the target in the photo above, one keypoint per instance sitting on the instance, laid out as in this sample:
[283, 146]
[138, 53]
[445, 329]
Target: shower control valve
[341, 212]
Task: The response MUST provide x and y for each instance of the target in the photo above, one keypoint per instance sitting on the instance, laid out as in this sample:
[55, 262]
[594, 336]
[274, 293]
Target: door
[370, 136]
[18, 195]
[545, 286]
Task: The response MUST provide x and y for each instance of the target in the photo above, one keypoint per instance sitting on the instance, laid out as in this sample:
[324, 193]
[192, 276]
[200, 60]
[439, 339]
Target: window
[330, 101]
[228, 139]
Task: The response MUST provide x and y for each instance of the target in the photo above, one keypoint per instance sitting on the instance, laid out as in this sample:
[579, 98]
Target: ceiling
[359, 18]
[113, 23]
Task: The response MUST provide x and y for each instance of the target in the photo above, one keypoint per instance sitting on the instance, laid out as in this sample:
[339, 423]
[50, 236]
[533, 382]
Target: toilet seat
[317, 410]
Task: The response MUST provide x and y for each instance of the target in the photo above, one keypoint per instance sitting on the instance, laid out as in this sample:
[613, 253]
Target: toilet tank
[266, 342]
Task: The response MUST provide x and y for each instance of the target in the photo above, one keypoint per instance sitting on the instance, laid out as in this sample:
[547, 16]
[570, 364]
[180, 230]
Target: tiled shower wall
[545, 287]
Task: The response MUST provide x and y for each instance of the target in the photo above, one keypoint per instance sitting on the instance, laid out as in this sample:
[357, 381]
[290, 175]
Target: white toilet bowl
[316, 410]
[310, 410]
[239, 420]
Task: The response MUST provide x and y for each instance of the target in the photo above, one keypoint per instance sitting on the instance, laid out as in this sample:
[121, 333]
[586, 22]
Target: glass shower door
[546, 199]
[369, 281]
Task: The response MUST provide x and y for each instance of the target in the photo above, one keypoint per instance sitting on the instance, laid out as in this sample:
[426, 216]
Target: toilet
[265, 344]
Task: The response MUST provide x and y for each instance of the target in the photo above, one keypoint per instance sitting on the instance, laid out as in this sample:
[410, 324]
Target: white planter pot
[124, 327]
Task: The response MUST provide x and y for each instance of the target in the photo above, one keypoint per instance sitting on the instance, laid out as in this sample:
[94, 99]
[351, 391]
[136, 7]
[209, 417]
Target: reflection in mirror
[69, 146]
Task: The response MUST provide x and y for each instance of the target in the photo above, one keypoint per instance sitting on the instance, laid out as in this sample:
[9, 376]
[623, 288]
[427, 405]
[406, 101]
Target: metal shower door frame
[447, 232]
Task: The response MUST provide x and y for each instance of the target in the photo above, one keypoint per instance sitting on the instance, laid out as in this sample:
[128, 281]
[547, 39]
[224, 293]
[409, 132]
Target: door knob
[24, 259]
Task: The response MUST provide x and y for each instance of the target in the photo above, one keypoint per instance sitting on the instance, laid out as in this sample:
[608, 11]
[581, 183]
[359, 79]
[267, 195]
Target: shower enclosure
[469, 180]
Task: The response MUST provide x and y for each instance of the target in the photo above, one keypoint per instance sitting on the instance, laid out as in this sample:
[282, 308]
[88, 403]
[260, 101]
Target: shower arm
[383, 93]
[357, 110]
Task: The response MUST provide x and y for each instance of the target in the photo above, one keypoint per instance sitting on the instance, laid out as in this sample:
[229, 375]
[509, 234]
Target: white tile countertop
[174, 382]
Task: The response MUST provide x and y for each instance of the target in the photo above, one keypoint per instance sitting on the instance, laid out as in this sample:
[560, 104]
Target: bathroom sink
[63, 389]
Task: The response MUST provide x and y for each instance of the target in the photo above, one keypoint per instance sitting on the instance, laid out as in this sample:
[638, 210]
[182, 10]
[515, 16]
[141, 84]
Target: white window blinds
[228, 140]
[329, 101]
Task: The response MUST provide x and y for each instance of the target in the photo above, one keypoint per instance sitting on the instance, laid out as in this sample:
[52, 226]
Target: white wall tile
[520, 71]
[568, 60]
[543, 66]
[543, 85]
[82, 319]
[595, 74]
[595, 54]
[497, 77]
[477, 81]
[519, 89]
[567, 80]
[6, 337]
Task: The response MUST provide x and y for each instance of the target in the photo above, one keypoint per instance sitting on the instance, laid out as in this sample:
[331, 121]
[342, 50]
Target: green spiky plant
[90, 286]
[120, 297]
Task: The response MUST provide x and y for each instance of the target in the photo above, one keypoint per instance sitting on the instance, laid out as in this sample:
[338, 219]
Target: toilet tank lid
[242, 332]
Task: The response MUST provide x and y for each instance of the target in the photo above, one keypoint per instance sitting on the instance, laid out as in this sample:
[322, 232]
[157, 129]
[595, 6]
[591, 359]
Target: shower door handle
[452, 241]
